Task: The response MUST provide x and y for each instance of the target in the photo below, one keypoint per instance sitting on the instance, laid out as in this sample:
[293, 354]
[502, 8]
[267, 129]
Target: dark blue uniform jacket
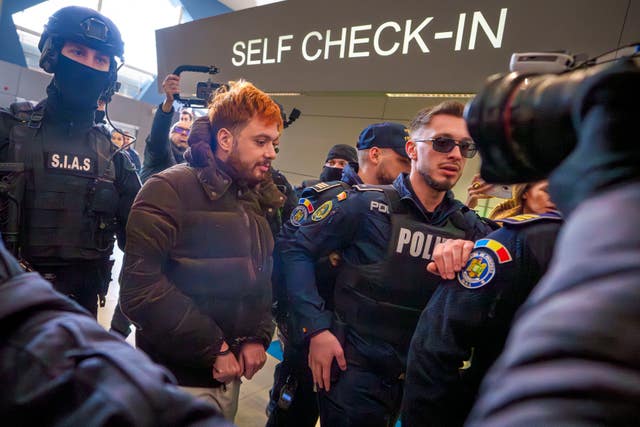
[469, 318]
[572, 355]
[356, 227]
[325, 273]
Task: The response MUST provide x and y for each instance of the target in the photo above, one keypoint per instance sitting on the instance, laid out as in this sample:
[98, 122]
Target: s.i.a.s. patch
[481, 267]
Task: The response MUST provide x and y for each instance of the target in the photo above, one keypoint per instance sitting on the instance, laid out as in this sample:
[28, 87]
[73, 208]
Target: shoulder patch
[501, 252]
[365, 187]
[529, 218]
[478, 271]
[299, 215]
[322, 212]
[307, 204]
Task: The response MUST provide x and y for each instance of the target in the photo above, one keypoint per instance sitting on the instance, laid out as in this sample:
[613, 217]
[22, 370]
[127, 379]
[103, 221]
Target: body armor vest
[70, 200]
[385, 299]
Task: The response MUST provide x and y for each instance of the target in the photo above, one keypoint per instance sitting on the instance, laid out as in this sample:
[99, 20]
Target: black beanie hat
[343, 151]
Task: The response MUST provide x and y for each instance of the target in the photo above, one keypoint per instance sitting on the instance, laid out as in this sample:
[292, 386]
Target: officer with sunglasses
[386, 235]
[78, 189]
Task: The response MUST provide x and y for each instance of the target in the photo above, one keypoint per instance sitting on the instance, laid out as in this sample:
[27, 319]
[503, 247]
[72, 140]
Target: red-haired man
[197, 267]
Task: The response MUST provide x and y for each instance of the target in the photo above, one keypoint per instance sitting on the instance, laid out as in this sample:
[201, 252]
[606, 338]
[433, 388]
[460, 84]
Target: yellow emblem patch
[322, 212]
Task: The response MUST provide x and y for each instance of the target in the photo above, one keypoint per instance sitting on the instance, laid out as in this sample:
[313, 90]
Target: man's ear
[225, 140]
[410, 147]
[374, 155]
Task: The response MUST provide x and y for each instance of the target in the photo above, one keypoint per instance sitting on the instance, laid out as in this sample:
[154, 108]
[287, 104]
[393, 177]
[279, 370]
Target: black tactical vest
[384, 300]
[70, 200]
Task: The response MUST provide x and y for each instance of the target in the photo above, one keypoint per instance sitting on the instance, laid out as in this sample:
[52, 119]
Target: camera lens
[522, 124]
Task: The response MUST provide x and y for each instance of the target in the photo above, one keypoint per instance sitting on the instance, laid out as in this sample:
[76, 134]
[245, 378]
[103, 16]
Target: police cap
[384, 135]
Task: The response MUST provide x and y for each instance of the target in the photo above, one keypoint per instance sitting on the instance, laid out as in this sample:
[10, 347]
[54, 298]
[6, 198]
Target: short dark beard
[240, 172]
[438, 186]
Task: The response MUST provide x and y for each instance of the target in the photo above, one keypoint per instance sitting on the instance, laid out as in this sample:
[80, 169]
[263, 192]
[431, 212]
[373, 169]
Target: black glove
[606, 117]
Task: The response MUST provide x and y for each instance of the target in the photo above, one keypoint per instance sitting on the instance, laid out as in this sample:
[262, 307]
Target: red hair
[233, 106]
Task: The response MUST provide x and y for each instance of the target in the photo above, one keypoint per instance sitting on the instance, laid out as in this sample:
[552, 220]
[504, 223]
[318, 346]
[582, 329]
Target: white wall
[338, 119]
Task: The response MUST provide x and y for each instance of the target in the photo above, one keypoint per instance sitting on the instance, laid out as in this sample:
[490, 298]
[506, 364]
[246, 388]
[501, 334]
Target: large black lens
[522, 124]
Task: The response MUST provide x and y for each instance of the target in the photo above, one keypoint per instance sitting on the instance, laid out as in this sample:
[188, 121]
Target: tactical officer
[78, 187]
[468, 318]
[381, 158]
[385, 235]
[339, 156]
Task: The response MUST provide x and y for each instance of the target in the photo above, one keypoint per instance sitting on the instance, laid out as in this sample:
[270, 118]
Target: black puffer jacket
[573, 356]
[58, 367]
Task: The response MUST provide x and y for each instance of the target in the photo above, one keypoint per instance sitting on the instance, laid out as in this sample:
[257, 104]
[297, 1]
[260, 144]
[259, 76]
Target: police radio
[287, 392]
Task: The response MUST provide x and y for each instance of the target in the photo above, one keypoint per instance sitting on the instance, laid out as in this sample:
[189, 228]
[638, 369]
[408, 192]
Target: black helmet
[82, 25]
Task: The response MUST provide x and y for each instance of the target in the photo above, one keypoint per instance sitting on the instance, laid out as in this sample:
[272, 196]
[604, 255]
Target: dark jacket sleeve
[127, 184]
[453, 323]
[434, 392]
[157, 151]
[55, 348]
[168, 317]
[572, 356]
[299, 251]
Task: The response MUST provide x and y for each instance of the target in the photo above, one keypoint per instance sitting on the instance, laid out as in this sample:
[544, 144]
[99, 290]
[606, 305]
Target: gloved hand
[605, 115]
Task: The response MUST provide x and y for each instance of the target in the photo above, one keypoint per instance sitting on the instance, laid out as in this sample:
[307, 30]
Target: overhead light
[431, 95]
[284, 93]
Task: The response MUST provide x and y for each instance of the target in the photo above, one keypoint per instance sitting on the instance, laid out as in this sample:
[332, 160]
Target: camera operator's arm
[157, 151]
[605, 116]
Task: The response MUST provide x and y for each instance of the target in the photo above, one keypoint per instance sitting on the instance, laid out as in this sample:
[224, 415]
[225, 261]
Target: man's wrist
[167, 106]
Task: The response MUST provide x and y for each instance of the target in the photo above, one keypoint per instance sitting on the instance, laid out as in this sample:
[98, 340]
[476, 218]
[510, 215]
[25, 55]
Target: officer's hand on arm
[252, 358]
[226, 367]
[171, 87]
[323, 347]
[449, 257]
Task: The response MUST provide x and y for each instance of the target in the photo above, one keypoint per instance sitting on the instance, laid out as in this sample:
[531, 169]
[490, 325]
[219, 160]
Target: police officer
[468, 318]
[385, 235]
[79, 187]
[338, 156]
[381, 158]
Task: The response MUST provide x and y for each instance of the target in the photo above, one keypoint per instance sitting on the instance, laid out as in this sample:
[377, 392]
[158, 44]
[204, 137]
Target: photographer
[160, 152]
[572, 355]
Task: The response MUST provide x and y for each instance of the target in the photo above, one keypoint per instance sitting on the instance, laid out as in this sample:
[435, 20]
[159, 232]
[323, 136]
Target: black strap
[395, 201]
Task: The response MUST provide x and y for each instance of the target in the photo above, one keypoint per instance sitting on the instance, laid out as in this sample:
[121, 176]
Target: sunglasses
[181, 131]
[443, 144]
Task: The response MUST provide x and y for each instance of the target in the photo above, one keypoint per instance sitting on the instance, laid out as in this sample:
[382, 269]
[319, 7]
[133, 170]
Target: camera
[203, 89]
[525, 123]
